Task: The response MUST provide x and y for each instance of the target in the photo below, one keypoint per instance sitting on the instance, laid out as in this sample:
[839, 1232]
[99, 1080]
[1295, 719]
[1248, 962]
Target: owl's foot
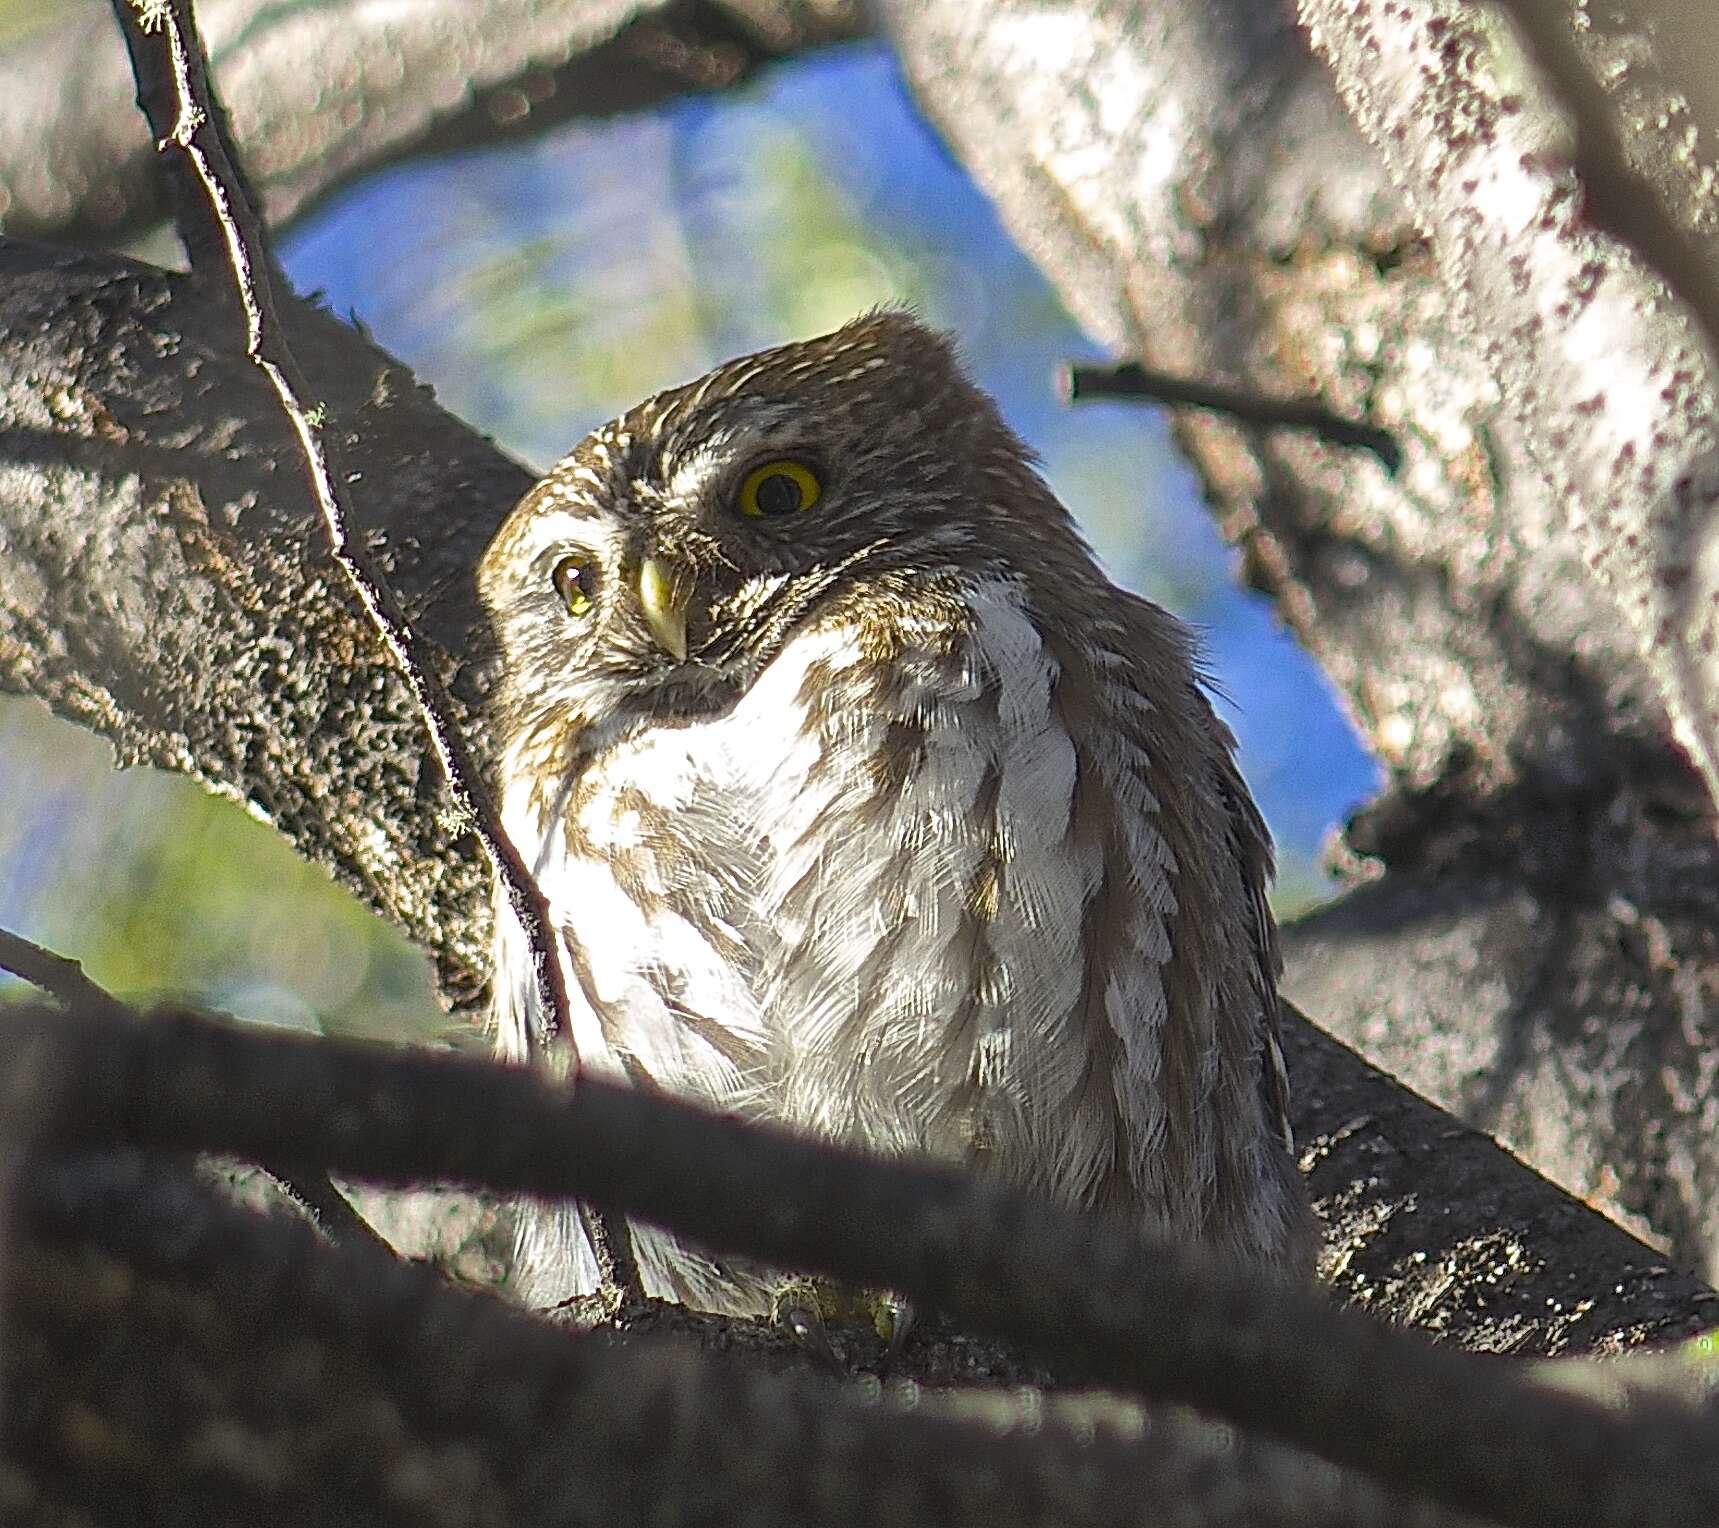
[808, 1308]
[893, 1317]
[797, 1307]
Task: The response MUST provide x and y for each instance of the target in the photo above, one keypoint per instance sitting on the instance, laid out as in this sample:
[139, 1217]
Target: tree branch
[1516, 615]
[322, 95]
[1086, 1294]
[220, 225]
[56, 975]
[431, 1404]
[1081, 380]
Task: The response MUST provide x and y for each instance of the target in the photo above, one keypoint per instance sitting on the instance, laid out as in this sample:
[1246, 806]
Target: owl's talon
[805, 1324]
[894, 1318]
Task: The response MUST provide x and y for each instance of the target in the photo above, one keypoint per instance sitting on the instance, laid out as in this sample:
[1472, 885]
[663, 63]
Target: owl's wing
[1250, 842]
[1187, 1031]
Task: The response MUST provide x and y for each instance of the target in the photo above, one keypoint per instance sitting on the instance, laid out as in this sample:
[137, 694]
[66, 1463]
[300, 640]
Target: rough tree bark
[1566, 184]
[1533, 953]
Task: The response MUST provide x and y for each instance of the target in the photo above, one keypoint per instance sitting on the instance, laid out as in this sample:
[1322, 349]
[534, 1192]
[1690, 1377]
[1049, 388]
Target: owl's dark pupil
[576, 582]
[779, 494]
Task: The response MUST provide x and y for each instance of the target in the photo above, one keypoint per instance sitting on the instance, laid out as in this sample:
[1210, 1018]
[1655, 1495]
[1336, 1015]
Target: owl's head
[666, 559]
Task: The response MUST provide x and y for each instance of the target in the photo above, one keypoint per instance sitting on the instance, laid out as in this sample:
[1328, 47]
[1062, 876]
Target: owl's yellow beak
[664, 594]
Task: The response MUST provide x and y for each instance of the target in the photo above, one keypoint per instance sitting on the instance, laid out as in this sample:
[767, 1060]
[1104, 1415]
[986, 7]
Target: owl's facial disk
[626, 603]
[665, 560]
[681, 566]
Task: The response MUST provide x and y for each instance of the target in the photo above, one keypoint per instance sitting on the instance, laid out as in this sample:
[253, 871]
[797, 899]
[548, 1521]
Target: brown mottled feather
[932, 842]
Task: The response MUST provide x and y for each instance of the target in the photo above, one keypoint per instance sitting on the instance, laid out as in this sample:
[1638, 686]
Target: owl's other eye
[575, 580]
[782, 487]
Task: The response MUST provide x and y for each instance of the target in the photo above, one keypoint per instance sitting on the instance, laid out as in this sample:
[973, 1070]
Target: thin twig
[329, 1210]
[57, 975]
[1080, 380]
[194, 133]
[64, 978]
[197, 131]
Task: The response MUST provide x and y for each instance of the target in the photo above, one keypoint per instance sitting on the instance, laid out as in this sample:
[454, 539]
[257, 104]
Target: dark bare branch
[1129, 379]
[1089, 1296]
[329, 1210]
[434, 1405]
[56, 975]
[220, 225]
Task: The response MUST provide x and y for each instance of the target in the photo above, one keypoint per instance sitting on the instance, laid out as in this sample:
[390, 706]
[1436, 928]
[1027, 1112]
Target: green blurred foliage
[20, 16]
[163, 890]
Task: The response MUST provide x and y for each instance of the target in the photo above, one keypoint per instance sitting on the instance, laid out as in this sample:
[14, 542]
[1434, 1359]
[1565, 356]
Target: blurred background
[541, 288]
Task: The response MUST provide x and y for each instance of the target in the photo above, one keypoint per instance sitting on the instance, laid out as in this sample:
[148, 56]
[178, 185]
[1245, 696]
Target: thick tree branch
[1560, 276]
[1641, 181]
[431, 1405]
[1088, 1295]
[322, 94]
[139, 434]
[1189, 178]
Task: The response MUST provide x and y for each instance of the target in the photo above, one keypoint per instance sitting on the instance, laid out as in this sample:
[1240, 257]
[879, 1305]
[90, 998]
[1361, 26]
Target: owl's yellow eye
[575, 580]
[783, 487]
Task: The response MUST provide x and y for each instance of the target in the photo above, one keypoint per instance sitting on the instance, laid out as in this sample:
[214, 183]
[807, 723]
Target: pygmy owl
[865, 803]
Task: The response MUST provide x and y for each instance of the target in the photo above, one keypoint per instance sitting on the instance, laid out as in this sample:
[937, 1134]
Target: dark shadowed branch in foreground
[181, 1353]
[1085, 1295]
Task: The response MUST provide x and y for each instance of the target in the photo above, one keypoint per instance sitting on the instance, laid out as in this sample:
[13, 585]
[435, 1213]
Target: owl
[866, 805]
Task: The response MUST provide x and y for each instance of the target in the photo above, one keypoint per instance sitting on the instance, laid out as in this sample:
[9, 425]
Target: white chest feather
[870, 901]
